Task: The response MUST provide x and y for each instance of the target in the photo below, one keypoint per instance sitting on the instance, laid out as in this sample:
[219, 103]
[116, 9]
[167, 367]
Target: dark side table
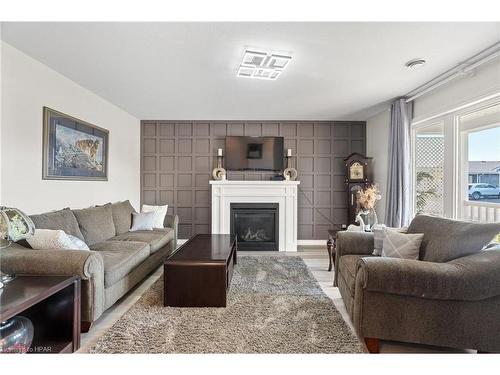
[52, 303]
[331, 243]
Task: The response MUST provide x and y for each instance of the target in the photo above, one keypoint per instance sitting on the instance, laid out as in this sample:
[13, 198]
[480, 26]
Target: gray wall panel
[177, 158]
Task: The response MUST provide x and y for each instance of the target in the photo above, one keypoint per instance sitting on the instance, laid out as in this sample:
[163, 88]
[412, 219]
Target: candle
[289, 152]
[219, 152]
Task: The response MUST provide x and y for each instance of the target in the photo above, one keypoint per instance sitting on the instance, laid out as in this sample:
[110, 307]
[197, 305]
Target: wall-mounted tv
[254, 153]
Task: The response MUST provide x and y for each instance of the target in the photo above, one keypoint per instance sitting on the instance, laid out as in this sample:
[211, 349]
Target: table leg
[329, 248]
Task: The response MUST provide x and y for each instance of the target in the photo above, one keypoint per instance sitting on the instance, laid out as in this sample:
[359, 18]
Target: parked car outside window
[478, 191]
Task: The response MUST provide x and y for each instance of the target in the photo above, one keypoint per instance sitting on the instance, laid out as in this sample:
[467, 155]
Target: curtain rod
[461, 69]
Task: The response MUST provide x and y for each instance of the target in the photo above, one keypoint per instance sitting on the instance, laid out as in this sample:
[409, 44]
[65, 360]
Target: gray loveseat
[118, 259]
[450, 297]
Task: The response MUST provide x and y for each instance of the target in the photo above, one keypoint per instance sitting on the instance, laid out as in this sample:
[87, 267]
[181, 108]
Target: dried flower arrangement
[368, 197]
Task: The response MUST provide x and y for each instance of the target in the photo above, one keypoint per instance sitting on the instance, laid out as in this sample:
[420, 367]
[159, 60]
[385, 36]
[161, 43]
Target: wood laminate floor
[316, 259]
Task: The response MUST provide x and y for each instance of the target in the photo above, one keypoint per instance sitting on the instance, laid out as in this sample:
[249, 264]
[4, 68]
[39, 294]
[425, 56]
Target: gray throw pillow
[143, 221]
[63, 220]
[96, 223]
[446, 239]
[122, 216]
[401, 245]
[379, 235]
[378, 239]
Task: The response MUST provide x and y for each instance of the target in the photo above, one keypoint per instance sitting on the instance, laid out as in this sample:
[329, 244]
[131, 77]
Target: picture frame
[73, 149]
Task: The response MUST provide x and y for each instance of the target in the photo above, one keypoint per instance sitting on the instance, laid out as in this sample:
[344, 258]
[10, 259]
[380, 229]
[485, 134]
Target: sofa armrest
[171, 221]
[20, 260]
[84, 263]
[351, 242]
[470, 278]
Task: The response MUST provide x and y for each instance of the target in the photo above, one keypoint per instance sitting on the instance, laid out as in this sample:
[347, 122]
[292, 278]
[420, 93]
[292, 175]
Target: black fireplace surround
[255, 226]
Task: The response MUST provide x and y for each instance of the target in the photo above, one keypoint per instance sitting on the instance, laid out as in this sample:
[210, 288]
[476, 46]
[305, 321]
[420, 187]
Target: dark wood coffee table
[199, 273]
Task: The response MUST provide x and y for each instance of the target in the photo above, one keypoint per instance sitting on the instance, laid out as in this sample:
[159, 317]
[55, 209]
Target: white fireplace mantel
[282, 192]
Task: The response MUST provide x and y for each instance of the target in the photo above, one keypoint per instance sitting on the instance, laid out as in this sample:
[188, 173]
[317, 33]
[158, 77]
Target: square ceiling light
[255, 59]
[278, 61]
[262, 65]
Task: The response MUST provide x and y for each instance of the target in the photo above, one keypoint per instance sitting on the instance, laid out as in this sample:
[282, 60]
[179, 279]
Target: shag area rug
[274, 305]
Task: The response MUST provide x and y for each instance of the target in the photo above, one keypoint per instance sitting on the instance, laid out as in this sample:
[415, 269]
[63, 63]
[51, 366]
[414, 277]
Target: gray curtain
[398, 198]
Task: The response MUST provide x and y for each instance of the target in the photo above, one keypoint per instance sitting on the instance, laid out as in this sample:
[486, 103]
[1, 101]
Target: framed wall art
[73, 149]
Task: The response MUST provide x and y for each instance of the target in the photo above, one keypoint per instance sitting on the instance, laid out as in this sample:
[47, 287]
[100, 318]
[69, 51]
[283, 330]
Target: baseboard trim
[299, 242]
[311, 242]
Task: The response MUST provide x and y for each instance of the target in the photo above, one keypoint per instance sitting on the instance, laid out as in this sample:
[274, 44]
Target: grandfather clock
[358, 176]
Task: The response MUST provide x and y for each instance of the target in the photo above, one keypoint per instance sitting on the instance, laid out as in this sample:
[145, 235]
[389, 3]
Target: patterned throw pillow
[48, 239]
[160, 213]
[401, 245]
[76, 243]
[379, 235]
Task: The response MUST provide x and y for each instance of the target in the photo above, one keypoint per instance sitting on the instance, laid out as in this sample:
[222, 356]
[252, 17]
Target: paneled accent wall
[177, 158]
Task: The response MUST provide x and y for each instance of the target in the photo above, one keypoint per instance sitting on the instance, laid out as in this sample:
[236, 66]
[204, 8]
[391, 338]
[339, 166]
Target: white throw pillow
[379, 235]
[142, 221]
[77, 243]
[160, 213]
[401, 245]
[45, 239]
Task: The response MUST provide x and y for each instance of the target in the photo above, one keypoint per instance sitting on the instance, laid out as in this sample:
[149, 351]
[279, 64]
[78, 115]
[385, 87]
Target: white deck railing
[482, 212]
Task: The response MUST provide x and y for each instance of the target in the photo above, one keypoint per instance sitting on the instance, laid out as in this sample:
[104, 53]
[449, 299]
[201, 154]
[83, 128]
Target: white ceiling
[188, 70]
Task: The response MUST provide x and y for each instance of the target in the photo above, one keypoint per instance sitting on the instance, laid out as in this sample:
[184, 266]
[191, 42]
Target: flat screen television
[254, 153]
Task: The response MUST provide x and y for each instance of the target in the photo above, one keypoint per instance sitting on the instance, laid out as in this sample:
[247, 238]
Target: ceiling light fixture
[262, 65]
[415, 63]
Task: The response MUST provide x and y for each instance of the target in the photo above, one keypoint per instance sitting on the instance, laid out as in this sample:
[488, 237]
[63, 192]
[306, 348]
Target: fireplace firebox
[255, 225]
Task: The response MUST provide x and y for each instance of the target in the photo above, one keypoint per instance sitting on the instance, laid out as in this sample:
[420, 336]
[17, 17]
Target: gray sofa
[450, 297]
[118, 259]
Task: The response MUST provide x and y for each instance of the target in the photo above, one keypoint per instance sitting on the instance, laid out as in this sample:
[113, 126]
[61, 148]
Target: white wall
[482, 81]
[377, 145]
[28, 86]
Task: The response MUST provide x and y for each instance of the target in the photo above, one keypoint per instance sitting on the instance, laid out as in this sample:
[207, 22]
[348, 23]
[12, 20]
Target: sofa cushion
[63, 220]
[446, 239]
[347, 269]
[156, 238]
[122, 216]
[96, 223]
[120, 258]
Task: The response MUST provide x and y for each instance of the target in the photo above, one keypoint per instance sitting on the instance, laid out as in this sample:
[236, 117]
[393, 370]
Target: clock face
[356, 171]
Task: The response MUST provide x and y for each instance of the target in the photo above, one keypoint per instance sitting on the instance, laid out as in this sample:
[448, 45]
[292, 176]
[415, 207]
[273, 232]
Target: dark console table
[52, 303]
[332, 242]
[199, 273]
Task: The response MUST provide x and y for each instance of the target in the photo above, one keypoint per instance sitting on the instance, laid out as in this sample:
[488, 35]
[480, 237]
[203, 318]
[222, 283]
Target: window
[456, 163]
[479, 163]
[429, 170]
[482, 164]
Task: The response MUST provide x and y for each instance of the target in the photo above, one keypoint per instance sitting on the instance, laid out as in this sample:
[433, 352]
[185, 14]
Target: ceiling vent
[262, 65]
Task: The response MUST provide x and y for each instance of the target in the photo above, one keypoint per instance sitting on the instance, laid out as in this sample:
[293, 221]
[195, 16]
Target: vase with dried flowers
[366, 202]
